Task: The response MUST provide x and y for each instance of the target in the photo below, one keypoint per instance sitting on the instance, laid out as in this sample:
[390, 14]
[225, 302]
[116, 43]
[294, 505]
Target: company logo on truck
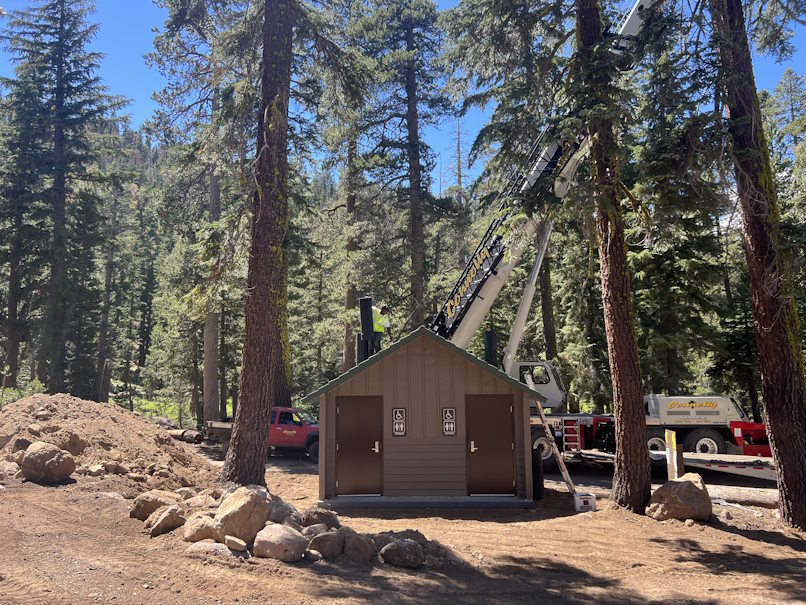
[453, 304]
[691, 404]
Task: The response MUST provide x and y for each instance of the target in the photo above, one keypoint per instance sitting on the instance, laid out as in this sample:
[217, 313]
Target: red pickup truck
[290, 429]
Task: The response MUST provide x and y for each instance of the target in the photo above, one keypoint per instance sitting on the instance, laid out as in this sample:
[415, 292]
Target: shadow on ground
[513, 580]
[787, 574]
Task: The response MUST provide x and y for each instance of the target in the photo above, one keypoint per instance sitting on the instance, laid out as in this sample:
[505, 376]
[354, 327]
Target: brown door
[490, 444]
[359, 445]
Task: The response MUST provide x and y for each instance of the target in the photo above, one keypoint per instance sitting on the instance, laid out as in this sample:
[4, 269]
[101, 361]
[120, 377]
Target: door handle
[473, 447]
[377, 448]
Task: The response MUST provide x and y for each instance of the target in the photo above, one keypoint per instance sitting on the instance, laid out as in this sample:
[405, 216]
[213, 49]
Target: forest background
[155, 236]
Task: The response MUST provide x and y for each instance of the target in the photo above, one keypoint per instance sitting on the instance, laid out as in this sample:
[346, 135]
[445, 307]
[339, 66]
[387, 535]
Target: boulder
[235, 544]
[213, 492]
[42, 415]
[280, 511]
[8, 470]
[147, 503]
[198, 527]
[312, 555]
[330, 544]
[152, 518]
[314, 530]
[403, 553]
[208, 548]
[137, 477]
[46, 463]
[35, 429]
[186, 492]
[315, 515]
[683, 498]
[387, 537]
[96, 470]
[116, 468]
[17, 457]
[359, 548]
[200, 501]
[171, 518]
[280, 542]
[289, 521]
[69, 441]
[243, 513]
[20, 444]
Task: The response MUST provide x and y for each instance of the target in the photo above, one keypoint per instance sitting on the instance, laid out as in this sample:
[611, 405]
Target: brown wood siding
[423, 377]
[424, 467]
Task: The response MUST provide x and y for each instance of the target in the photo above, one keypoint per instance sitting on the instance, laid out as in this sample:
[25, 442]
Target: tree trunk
[103, 331]
[54, 333]
[547, 309]
[127, 374]
[146, 315]
[775, 317]
[631, 476]
[222, 366]
[266, 354]
[319, 315]
[13, 327]
[211, 394]
[416, 232]
[351, 295]
[752, 393]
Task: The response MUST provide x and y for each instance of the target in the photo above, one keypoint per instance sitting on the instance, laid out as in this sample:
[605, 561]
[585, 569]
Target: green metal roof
[421, 331]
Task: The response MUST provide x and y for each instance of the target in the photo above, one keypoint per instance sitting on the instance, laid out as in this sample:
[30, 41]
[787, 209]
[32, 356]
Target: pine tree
[401, 36]
[266, 355]
[775, 316]
[21, 210]
[631, 477]
[50, 40]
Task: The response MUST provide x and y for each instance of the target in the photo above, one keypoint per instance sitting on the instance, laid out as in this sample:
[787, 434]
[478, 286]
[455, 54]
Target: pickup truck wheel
[313, 452]
[705, 441]
[539, 439]
[656, 442]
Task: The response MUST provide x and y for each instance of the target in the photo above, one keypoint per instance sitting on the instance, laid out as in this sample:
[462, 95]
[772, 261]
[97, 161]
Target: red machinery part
[751, 437]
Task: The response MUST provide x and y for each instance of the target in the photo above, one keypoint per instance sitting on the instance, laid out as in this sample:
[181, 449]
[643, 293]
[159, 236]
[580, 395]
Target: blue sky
[126, 35]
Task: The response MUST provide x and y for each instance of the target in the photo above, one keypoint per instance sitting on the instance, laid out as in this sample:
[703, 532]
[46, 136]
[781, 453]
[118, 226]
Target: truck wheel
[705, 441]
[656, 442]
[313, 452]
[539, 439]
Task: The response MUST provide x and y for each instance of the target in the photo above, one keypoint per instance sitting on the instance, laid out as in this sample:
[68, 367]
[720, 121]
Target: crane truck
[705, 424]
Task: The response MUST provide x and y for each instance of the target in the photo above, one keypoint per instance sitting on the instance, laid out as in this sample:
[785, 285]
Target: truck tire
[313, 452]
[705, 441]
[656, 442]
[539, 439]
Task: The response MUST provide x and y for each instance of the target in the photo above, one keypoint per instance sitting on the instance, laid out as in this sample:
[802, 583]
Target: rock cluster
[250, 521]
[105, 441]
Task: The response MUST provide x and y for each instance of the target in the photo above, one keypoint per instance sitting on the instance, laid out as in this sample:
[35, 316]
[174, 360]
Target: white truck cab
[546, 380]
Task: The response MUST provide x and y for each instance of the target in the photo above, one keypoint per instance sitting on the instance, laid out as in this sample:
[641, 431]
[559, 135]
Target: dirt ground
[75, 544]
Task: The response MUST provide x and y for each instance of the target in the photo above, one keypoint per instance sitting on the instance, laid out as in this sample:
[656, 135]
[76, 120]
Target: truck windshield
[538, 373]
[306, 417]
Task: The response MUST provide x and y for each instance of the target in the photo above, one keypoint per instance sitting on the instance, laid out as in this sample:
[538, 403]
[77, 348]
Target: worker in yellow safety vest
[380, 323]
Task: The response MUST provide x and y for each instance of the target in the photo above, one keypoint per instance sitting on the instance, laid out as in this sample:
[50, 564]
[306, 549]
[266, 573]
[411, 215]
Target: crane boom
[494, 258]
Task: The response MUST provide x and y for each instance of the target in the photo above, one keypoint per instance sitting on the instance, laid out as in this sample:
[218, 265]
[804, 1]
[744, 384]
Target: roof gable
[425, 332]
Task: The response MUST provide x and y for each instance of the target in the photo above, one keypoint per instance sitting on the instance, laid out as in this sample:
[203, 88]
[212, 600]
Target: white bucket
[584, 502]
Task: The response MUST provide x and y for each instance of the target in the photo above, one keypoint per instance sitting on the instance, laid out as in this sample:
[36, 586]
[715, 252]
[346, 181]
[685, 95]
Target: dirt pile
[106, 441]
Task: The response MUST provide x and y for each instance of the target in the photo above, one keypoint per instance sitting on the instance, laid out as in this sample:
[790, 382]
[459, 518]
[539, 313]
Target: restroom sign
[399, 422]
[449, 421]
